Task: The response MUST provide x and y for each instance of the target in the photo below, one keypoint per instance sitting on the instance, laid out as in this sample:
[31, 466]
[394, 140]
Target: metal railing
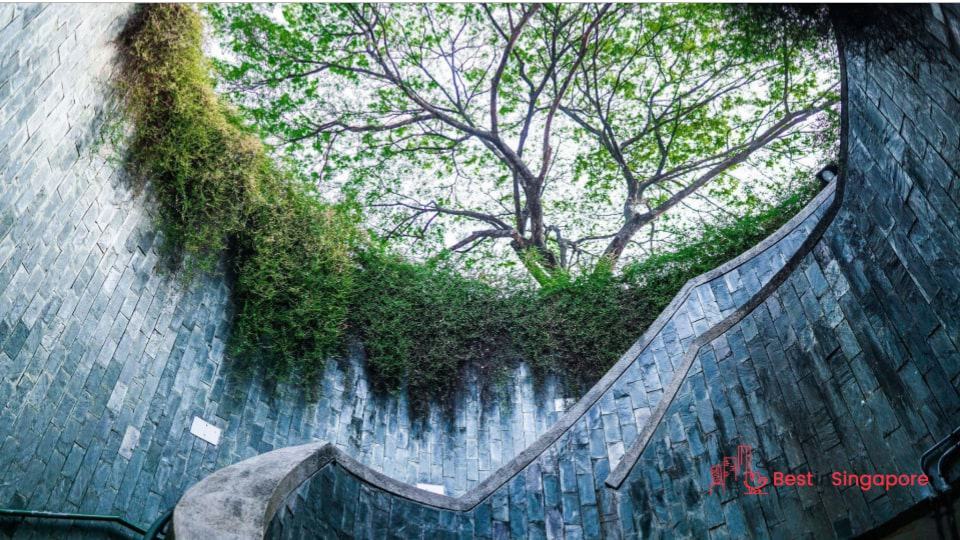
[159, 529]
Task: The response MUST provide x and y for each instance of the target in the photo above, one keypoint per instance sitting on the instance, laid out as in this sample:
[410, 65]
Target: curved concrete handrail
[239, 501]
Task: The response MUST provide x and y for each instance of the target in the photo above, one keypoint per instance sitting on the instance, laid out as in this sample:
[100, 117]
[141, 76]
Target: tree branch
[477, 236]
[635, 222]
[495, 81]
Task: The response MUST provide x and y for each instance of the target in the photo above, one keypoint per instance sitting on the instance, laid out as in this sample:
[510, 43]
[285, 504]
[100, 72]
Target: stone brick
[851, 362]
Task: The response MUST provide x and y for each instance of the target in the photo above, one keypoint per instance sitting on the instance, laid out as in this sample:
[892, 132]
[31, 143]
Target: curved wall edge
[292, 466]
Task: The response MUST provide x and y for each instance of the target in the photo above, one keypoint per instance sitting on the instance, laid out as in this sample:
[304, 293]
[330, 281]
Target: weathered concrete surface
[238, 502]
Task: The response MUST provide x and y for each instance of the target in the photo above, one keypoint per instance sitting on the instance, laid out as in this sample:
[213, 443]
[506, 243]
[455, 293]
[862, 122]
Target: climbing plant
[219, 192]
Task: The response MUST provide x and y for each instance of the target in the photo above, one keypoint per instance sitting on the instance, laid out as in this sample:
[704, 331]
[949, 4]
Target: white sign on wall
[433, 488]
[205, 430]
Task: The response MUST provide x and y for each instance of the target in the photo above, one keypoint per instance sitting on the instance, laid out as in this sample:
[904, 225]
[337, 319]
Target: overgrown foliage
[421, 323]
[582, 325]
[308, 277]
[295, 278]
[203, 166]
[217, 189]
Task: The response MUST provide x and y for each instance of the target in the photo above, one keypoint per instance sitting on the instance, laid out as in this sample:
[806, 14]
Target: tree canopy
[308, 277]
[570, 133]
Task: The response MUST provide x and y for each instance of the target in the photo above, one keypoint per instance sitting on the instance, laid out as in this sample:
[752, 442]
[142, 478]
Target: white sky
[474, 193]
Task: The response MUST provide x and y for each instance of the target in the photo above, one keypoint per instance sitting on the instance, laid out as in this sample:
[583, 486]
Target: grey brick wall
[105, 361]
[851, 363]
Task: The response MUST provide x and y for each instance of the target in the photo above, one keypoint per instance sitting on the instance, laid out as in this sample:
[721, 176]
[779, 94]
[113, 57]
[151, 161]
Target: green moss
[306, 277]
[421, 323]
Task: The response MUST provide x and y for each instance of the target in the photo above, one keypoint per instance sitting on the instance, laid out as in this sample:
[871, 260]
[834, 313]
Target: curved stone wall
[554, 487]
[852, 364]
[822, 348]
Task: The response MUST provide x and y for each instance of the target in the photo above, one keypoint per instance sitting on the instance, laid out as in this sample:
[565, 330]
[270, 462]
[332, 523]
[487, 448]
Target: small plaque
[131, 438]
[205, 430]
[432, 488]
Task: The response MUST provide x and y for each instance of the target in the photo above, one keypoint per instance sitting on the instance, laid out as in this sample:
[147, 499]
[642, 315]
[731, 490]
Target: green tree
[562, 131]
